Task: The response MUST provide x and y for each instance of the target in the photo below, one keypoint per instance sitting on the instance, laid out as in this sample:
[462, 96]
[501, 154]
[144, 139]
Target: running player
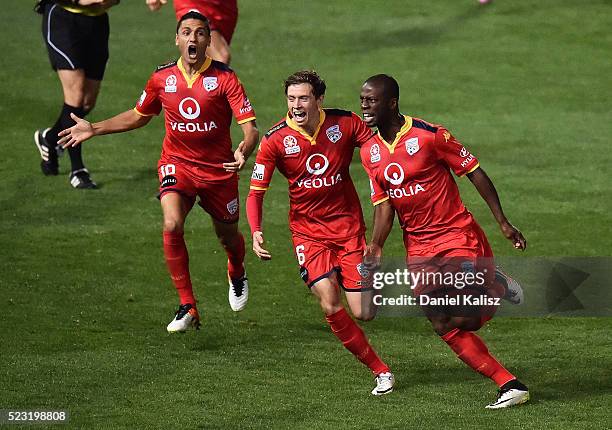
[199, 96]
[409, 162]
[313, 147]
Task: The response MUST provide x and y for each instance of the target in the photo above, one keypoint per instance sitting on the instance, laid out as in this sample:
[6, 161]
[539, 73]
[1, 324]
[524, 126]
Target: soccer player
[222, 15]
[313, 147]
[199, 96]
[409, 162]
[76, 35]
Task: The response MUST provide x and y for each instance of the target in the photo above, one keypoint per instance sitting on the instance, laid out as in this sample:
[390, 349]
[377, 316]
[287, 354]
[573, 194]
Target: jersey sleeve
[361, 132]
[149, 104]
[238, 100]
[453, 153]
[377, 192]
[265, 163]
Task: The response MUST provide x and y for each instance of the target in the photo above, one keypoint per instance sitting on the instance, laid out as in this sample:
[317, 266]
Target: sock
[235, 258]
[353, 339]
[472, 351]
[177, 260]
[63, 122]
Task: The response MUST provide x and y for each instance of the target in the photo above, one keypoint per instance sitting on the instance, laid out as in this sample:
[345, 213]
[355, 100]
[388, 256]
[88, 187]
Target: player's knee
[88, 106]
[330, 307]
[364, 313]
[172, 226]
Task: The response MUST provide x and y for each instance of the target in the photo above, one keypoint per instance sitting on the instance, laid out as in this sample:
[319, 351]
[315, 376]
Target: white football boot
[186, 317]
[511, 394]
[238, 293]
[384, 383]
[514, 291]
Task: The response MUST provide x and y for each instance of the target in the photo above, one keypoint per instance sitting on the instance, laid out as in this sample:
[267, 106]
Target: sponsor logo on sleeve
[464, 152]
[291, 145]
[246, 106]
[333, 133]
[210, 83]
[142, 98]
[375, 153]
[412, 145]
[232, 206]
[170, 84]
[258, 172]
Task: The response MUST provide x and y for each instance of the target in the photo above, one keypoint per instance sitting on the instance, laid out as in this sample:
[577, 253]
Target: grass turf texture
[85, 296]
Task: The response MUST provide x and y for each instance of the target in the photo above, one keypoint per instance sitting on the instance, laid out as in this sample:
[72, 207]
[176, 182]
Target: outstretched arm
[383, 222]
[84, 130]
[245, 148]
[487, 190]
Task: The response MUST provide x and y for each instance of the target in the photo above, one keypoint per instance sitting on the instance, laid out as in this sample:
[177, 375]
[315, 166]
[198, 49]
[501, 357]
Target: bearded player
[313, 147]
[409, 162]
[199, 97]
[222, 15]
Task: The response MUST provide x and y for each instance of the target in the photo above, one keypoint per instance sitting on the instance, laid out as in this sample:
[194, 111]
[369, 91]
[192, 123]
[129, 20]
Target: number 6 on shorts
[299, 252]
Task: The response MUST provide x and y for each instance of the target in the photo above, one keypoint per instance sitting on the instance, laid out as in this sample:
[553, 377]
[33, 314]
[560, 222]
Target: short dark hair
[193, 14]
[389, 85]
[307, 77]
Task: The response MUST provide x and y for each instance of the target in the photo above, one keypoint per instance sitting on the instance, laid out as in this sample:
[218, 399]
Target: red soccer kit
[325, 215]
[414, 173]
[222, 14]
[198, 115]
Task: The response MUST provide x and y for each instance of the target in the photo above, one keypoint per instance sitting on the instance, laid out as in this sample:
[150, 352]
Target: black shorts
[76, 41]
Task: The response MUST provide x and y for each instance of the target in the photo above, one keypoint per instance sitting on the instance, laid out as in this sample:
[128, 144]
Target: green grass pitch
[84, 293]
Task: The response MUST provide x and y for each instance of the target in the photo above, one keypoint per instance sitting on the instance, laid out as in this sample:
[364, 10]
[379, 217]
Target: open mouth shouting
[192, 51]
[299, 115]
[369, 119]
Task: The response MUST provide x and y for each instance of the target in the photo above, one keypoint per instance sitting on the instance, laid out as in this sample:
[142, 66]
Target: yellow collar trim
[312, 139]
[405, 129]
[191, 79]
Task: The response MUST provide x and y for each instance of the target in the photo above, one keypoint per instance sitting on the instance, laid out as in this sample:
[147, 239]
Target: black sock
[64, 122]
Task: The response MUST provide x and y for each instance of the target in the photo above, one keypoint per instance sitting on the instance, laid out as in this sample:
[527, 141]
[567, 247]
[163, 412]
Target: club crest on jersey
[375, 153]
[232, 206]
[170, 84]
[333, 133]
[210, 83]
[291, 145]
[412, 145]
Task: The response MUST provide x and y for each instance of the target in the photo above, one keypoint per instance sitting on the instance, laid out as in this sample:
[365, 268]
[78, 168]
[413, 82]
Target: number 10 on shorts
[167, 169]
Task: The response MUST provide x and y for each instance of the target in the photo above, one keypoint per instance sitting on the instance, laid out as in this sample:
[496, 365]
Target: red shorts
[222, 15]
[219, 199]
[318, 259]
[455, 264]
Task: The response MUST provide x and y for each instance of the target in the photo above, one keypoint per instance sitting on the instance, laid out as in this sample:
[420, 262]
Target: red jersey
[323, 200]
[414, 172]
[198, 113]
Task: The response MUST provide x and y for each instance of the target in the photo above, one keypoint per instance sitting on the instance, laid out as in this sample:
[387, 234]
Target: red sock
[353, 339]
[235, 258]
[177, 260]
[472, 351]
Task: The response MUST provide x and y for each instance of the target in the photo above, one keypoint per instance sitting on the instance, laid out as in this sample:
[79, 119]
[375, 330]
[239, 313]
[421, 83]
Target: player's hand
[258, 241]
[236, 166]
[514, 235]
[76, 134]
[372, 256]
[156, 4]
